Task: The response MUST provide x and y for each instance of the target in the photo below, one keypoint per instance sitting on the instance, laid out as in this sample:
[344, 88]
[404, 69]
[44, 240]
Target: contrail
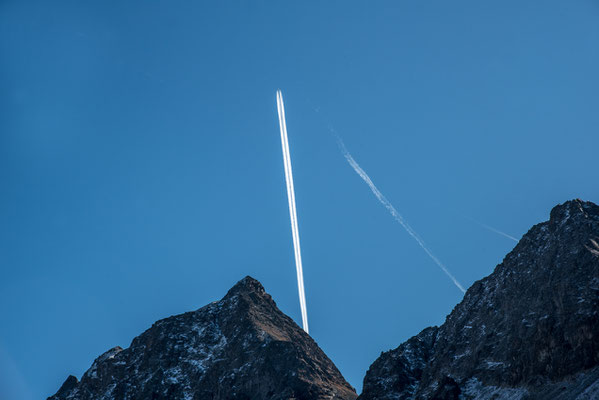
[292, 211]
[393, 211]
[492, 229]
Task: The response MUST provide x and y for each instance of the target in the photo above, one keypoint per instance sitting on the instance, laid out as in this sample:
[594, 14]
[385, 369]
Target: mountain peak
[573, 211]
[528, 330]
[240, 347]
[248, 286]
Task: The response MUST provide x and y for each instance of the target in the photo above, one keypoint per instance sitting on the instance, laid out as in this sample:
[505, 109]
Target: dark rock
[67, 386]
[530, 325]
[396, 373]
[447, 389]
[241, 347]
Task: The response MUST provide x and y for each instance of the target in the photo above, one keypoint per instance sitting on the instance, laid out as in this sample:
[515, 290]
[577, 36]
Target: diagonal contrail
[292, 211]
[492, 229]
[393, 211]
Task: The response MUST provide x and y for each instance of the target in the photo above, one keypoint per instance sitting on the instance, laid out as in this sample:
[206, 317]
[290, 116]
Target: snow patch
[475, 390]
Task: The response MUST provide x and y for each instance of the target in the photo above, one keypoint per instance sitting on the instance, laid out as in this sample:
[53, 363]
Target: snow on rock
[526, 329]
[241, 347]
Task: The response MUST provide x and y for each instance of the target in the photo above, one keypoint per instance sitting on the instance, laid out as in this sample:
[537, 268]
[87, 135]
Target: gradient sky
[141, 170]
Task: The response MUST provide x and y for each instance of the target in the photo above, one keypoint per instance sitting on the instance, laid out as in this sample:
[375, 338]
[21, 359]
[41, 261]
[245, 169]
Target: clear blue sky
[141, 172]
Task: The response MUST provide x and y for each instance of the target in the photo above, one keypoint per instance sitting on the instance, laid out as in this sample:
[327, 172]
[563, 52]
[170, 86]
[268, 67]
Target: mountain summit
[530, 330]
[241, 347]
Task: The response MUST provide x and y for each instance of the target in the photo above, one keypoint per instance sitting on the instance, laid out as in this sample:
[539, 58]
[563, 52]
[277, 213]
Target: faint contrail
[292, 211]
[393, 211]
[492, 229]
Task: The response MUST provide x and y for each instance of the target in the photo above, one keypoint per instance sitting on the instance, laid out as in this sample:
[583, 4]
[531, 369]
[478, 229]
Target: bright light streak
[292, 210]
[398, 217]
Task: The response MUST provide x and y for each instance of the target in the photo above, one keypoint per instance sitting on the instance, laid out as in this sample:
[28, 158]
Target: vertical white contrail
[393, 211]
[292, 211]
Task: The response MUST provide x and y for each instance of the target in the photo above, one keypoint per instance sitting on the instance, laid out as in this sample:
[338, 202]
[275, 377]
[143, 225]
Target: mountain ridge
[530, 324]
[240, 347]
[529, 330]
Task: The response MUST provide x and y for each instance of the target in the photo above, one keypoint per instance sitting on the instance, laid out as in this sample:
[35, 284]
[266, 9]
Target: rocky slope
[241, 347]
[530, 330]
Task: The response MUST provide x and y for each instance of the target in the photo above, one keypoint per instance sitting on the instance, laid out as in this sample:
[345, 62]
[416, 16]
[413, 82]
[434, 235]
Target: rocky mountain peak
[528, 330]
[573, 211]
[247, 284]
[241, 347]
[250, 290]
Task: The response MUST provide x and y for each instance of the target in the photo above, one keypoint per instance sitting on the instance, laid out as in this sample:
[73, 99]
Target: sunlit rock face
[241, 347]
[529, 330]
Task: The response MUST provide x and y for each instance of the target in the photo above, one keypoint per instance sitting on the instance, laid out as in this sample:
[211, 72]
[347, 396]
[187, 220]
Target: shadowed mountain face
[241, 347]
[529, 330]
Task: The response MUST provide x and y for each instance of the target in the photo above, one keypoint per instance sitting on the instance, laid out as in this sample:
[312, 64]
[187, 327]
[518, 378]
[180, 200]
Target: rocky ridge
[241, 347]
[530, 330]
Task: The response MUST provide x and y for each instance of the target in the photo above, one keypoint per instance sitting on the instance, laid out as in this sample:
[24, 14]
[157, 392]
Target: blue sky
[142, 174]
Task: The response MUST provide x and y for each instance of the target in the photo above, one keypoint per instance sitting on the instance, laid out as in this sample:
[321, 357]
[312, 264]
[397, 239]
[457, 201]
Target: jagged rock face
[396, 373]
[242, 347]
[531, 323]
